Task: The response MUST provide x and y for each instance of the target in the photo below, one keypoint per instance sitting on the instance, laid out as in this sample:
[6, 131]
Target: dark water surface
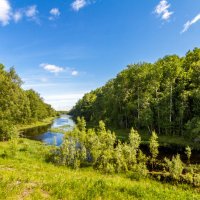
[44, 134]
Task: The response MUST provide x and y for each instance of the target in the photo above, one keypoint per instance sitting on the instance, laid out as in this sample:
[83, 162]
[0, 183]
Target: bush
[196, 180]
[188, 178]
[188, 153]
[70, 153]
[7, 131]
[154, 147]
[98, 147]
[175, 167]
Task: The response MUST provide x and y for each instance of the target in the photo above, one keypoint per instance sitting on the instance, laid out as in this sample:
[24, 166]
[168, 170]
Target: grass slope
[26, 175]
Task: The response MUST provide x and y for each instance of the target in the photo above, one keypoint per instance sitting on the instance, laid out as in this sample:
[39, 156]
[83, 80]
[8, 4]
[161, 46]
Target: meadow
[25, 174]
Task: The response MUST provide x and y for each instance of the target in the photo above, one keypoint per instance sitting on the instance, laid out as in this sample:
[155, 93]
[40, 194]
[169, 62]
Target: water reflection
[45, 135]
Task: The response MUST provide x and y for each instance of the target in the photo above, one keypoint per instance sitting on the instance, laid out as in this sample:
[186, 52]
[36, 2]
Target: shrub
[119, 158]
[175, 167]
[138, 172]
[188, 177]
[141, 158]
[7, 131]
[154, 146]
[196, 180]
[188, 153]
[70, 153]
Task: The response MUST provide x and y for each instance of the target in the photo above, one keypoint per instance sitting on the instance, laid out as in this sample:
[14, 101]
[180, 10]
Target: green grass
[43, 122]
[28, 176]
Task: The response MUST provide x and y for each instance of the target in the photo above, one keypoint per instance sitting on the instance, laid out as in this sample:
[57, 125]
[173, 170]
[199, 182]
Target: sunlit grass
[28, 176]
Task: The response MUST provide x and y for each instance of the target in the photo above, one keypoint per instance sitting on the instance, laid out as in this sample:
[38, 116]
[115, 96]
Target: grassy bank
[26, 175]
[43, 122]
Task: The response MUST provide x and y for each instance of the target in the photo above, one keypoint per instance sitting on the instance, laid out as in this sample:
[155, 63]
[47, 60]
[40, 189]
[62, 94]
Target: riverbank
[31, 177]
[43, 122]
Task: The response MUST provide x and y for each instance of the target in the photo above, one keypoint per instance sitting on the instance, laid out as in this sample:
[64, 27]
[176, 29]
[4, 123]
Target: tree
[154, 146]
[18, 106]
[188, 153]
[163, 96]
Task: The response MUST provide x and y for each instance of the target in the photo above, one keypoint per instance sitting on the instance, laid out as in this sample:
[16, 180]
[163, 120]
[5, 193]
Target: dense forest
[18, 106]
[163, 96]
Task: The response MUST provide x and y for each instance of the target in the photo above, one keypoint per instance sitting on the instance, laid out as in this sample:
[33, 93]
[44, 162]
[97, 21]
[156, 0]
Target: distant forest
[18, 106]
[163, 96]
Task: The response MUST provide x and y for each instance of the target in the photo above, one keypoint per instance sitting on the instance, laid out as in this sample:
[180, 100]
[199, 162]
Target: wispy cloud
[188, 24]
[74, 73]
[78, 4]
[17, 16]
[5, 12]
[52, 68]
[162, 10]
[8, 14]
[57, 69]
[55, 13]
[31, 11]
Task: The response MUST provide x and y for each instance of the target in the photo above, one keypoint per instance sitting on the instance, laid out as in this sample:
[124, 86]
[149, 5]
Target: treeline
[163, 96]
[18, 106]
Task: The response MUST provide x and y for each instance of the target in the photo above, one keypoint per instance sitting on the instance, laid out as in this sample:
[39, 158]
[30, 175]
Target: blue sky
[64, 48]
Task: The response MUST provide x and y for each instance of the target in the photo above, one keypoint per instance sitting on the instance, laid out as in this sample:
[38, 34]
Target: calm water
[45, 135]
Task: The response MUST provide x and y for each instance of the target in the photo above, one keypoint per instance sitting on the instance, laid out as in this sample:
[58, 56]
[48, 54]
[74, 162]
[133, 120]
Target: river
[44, 134]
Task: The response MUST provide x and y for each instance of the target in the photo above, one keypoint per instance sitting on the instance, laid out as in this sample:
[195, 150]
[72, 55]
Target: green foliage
[134, 139]
[196, 180]
[163, 96]
[71, 154]
[154, 146]
[81, 124]
[18, 106]
[188, 153]
[175, 167]
[100, 149]
[140, 171]
[7, 130]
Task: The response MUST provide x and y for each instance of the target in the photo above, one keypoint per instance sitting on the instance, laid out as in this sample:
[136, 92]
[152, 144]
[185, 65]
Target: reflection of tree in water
[33, 132]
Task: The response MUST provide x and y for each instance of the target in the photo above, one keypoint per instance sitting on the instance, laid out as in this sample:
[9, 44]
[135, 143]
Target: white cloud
[52, 68]
[162, 9]
[31, 11]
[55, 12]
[5, 12]
[57, 69]
[78, 4]
[74, 73]
[17, 16]
[190, 23]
